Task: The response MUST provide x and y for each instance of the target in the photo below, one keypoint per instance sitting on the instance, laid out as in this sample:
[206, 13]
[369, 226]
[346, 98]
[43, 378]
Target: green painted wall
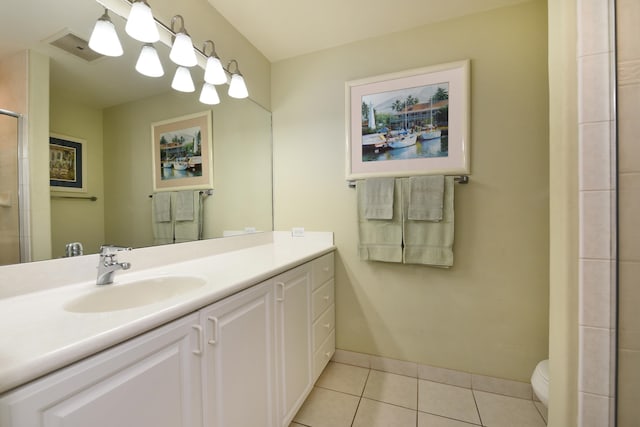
[79, 220]
[489, 313]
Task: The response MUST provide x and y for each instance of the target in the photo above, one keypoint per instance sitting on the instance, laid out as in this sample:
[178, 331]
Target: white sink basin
[133, 294]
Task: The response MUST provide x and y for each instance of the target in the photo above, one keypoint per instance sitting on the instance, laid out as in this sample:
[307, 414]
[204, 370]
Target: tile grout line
[417, 398]
[476, 403]
[360, 398]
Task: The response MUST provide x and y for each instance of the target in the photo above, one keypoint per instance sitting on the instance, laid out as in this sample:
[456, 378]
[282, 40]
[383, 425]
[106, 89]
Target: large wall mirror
[107, 105]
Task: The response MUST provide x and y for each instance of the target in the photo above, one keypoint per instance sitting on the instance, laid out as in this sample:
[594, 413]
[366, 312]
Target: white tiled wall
[597, 142]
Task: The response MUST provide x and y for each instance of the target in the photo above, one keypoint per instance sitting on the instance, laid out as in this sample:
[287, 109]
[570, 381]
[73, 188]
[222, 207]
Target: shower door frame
[24, 211]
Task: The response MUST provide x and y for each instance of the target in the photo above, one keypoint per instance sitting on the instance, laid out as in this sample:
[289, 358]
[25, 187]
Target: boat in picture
[402, 140]
[374, 142]
[180, 165]
[430, 132]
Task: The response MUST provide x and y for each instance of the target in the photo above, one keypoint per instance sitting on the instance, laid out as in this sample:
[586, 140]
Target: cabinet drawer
[323, 327]
[323, 355]
[322, 298]
[322, 270]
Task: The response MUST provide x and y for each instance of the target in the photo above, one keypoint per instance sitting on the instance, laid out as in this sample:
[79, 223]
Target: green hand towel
[426, 198]
[378, 199]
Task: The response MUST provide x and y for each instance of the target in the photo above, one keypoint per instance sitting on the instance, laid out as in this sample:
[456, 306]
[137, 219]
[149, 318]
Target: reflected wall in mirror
[110, 106]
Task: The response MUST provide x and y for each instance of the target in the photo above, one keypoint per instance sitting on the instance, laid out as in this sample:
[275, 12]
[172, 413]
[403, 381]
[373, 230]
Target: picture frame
[182, 153]
[414, 122]
[67, 163]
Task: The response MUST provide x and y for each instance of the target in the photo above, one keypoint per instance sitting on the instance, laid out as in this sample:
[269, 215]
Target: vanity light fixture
[104, 38]
[214, 72]
[140, 24]
[182, 52]
[182, 81]
[237, 86]
[149, 62]
[209, 94]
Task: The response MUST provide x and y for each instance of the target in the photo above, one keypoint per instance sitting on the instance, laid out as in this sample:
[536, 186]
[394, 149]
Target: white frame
[457, 74]
[205, 181]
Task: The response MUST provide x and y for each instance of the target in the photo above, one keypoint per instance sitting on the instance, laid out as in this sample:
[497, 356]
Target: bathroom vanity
[241, 346]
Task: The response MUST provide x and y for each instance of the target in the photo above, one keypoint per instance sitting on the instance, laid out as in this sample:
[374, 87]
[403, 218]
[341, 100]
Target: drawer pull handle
[326, 297]
[280, 298]
[214, 330]
[327, 325]
[198, 351]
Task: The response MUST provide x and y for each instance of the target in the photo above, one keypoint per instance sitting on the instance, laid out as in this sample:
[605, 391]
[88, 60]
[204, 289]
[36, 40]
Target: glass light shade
[140, 24]
[149, 62]
[182, 52]
[104, 38]
[182, 81]
[209, 94]
[237, 87]
[213, 72]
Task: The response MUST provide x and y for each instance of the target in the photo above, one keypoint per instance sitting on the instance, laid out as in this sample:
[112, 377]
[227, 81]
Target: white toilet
[540, 382]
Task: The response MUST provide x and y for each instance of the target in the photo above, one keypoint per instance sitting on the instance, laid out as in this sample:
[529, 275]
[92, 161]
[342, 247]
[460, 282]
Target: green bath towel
[380, 240]
[426, 242]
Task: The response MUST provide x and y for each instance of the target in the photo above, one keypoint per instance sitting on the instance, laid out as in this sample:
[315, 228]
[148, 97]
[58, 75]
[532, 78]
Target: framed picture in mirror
[414, 122]
[67, 163]
[182, 153]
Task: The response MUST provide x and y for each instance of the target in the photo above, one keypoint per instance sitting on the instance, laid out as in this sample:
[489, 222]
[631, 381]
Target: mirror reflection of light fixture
[214, 72]
[237, 86]
[149, 62]
[182, 81]
[140, 23]
[182, 52]
[209, 94]
[104, 38]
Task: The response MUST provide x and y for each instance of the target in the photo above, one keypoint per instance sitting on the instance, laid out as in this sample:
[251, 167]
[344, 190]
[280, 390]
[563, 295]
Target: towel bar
[208, 192]
[92, 198]
[461, 179]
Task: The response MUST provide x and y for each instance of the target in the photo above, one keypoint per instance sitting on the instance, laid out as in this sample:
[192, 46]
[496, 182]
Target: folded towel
[161, 207]
[380, 240]
[184, 205]
[187, 231]
[426, 242]
[426, 198]
[378, 198]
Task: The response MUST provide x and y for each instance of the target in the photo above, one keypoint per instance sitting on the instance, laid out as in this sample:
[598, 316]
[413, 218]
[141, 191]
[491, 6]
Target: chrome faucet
[108, 264]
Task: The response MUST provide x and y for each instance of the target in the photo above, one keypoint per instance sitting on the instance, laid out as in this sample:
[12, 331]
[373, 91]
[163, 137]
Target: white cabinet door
[152, 380]
[239, 368]
[293, 332]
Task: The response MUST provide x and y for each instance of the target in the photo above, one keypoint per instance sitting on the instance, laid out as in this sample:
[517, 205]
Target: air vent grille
[75, 45]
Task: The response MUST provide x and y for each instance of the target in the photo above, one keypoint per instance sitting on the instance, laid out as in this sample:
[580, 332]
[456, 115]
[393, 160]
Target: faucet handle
[112, 249]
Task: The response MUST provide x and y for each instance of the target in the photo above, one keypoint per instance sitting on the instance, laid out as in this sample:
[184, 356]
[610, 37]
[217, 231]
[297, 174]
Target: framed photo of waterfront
[414, 122]
[67, 164]
[182, 153]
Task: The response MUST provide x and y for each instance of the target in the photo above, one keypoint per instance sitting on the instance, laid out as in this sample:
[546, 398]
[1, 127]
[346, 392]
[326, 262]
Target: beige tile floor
[346, 395]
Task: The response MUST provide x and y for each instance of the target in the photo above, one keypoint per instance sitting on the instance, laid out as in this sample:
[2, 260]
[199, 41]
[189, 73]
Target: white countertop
[38, 336]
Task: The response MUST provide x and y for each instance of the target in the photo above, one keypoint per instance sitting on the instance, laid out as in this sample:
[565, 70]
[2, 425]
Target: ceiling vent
[75, 45]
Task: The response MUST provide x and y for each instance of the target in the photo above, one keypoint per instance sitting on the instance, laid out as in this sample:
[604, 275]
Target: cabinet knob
[325, 268]
[328, 354]
[327, 325]
[326, 297]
